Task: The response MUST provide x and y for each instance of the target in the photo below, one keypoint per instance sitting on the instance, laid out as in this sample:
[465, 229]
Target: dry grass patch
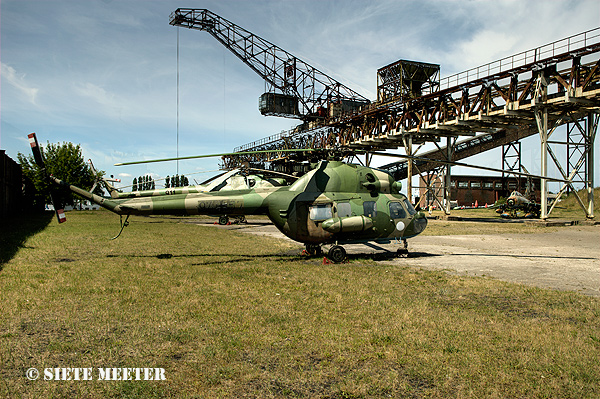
[236, 315]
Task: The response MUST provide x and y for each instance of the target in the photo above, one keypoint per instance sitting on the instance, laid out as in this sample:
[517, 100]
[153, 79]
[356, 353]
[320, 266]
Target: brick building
[467, 189]
[11, 186]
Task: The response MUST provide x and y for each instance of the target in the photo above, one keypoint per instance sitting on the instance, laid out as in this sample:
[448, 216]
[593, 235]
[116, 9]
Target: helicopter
[235, 179]
[517, 205]
[335, 203]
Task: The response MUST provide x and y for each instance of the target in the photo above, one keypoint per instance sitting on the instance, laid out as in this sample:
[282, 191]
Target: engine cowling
[350, 224]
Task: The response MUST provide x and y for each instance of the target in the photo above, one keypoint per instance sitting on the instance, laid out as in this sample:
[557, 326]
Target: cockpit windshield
[409, 207]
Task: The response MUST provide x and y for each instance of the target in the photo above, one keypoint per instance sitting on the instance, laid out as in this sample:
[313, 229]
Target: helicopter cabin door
[310, 217]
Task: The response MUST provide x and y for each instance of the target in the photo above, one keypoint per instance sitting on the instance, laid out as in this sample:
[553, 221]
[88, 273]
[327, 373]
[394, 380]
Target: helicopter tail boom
[103, 202]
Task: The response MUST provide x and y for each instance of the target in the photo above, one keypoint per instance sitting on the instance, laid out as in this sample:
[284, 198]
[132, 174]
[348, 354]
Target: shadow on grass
[282, 257]
[16, 230]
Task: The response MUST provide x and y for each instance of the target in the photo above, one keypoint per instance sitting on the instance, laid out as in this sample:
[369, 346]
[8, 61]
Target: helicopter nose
[419, 223]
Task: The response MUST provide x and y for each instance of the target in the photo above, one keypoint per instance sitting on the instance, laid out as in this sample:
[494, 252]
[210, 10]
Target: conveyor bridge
[529, 93]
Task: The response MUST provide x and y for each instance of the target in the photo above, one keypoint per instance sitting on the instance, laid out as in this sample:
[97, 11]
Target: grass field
[234, 315]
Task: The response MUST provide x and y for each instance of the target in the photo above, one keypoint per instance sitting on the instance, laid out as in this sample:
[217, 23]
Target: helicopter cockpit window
[409, 207]
[251, 183]
[370, 208]
[343, 209]
[320, 212]
[397, 211]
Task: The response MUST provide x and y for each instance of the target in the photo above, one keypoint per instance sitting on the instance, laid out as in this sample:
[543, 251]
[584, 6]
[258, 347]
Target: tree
[63, 161]
[167, 185]
[135, 184]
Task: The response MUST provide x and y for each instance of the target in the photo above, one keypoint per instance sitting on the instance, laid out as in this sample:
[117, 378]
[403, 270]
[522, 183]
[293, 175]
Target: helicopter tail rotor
[39, 160]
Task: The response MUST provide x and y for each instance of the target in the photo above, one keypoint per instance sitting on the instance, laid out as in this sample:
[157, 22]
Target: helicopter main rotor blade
[274, 172]
[213, 155]
[451, 163]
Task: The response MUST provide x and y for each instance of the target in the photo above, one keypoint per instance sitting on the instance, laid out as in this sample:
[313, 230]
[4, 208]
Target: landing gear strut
[403, 252]
[337, 254]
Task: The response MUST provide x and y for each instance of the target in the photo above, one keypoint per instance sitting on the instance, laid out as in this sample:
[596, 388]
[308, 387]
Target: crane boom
[293, 87]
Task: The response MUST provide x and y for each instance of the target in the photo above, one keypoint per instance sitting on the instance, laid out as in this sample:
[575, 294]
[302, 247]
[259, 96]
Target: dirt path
[566, 259]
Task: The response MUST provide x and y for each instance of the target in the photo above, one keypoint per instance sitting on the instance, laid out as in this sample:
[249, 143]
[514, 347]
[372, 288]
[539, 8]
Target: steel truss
[304, 91]
[511, 161]
[529, 93]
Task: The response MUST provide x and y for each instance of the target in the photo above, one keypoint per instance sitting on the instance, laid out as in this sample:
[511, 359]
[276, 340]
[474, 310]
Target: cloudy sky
[103, 73]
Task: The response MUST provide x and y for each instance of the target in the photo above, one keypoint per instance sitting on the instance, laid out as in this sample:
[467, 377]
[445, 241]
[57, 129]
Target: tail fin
[112, 190]
[39, 160]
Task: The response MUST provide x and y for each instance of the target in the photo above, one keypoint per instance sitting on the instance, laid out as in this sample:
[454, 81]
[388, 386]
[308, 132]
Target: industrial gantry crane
[496, 104]
[294, 89]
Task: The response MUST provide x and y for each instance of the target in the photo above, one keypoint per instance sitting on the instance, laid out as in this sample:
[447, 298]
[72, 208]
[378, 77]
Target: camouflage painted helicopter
[335, 203]
[235, 179]
[517, 205]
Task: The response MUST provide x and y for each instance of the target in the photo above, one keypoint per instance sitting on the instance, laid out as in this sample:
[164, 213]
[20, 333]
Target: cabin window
[488, 184]
[397, 211]
[463, 184]
[251, 183]
[370, 208]
[498, 185]
[475, 184]
[320, 212]
[343, 209]
[409, 207]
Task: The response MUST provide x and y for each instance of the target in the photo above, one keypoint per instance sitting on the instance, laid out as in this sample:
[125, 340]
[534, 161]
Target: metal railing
[545, 52]
[559, 47]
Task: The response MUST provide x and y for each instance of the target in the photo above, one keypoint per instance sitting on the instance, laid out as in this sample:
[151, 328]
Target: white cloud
[486, 46]
[18, 81]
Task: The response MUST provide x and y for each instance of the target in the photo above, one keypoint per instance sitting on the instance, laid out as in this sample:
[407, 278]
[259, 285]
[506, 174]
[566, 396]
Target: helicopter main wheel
[223, 220]
[313, 250]
[242, 219]
[337, 254]
[402, 253]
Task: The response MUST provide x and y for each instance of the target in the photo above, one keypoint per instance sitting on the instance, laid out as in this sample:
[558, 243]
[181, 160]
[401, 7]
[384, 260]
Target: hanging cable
[178, 98]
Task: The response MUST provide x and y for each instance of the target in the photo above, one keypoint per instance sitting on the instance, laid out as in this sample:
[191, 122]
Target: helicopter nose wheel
[337, 254]
[403, 252]
[223, 220]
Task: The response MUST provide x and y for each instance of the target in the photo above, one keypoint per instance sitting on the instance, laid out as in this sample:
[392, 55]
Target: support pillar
[409, 169]
[542, 121]
[539, 101]
[592, 127]
[448, 175]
